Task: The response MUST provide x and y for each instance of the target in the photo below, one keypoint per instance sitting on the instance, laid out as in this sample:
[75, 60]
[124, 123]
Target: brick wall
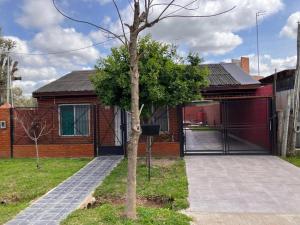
[52, 150]
[161, 149]
[5, 141]
[207, 114]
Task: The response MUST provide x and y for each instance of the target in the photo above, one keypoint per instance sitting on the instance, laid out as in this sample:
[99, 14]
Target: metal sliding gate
[232, 126]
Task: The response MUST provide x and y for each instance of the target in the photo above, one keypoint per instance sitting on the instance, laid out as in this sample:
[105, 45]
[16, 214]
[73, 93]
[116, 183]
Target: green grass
[108, 214]
[294, 160]
[21, 182]
[167, 191]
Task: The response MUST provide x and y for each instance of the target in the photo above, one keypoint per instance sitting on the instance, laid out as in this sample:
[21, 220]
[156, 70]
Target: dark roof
[76, 81]
[284, 74]
[221, 75]
[228, 74]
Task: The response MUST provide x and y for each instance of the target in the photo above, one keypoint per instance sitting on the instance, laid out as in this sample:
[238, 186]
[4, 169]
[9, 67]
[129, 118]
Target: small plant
[34, 126]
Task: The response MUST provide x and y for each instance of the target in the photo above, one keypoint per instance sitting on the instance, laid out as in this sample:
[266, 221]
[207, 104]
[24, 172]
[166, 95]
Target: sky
[38, 29]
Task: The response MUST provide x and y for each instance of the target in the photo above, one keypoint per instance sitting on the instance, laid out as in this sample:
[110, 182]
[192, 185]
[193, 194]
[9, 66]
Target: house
[80, 126]
[285, 80]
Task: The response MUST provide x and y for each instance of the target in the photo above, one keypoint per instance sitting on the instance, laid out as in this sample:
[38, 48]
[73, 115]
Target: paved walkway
[235, 188]
[57, 204]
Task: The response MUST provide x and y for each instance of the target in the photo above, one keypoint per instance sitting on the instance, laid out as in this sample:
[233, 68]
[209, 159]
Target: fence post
[95, 116]
[11, 112]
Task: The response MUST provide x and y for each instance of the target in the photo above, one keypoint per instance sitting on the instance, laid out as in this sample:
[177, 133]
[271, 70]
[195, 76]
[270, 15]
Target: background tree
[144, 14]
[5, 46]
[7, 65]
[22, 101]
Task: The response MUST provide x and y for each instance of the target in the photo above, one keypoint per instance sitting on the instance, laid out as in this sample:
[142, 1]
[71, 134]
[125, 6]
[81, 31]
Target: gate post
[95, 120]
[180, 125]
[6, 142]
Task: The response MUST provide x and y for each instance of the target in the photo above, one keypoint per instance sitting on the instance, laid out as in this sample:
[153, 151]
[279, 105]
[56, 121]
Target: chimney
[244, 63]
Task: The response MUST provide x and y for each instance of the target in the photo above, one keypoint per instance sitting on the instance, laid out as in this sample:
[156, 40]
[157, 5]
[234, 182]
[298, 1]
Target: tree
[33, 122]
[6, 65]
[164, 79]
[145, 14]
[20, 100]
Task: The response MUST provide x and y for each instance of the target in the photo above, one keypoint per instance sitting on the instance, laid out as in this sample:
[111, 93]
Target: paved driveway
[259, 185]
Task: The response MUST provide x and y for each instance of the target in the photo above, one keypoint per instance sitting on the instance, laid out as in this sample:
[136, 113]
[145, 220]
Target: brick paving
[57, 204]
[243, 184]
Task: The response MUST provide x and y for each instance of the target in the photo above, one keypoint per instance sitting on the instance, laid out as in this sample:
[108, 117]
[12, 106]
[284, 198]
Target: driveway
[212, 141]
[226, 187]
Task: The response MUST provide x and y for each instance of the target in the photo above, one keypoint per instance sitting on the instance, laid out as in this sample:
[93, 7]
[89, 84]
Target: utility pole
[259, 13]
[8, 82]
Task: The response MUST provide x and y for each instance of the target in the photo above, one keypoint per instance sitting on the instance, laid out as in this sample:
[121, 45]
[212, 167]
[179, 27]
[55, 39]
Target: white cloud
[39, 14]
[57, 39]
[37, 68]
[214, 35]
[290, 28]
[269, 64]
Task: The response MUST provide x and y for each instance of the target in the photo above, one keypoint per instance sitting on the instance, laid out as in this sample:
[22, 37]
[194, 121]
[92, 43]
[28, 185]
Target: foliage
[5, 45]
[21, 182]
[108, 214]
[164, 79]
[22, 101]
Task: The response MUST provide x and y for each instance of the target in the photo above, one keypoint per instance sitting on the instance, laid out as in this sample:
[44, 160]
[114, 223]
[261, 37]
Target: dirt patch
[155, 202]
[13, 198]
[163, 162]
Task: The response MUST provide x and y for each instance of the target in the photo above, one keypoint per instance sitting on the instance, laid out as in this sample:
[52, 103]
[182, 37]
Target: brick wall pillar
[5, 133]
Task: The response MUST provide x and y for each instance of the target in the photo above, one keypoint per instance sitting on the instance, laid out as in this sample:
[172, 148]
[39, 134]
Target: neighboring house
[284, 86]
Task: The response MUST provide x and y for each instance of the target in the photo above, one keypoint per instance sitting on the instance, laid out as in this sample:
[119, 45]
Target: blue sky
[38, 28]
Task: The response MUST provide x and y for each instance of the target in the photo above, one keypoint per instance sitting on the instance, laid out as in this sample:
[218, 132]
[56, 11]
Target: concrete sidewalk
[57, 204]
[262, 189]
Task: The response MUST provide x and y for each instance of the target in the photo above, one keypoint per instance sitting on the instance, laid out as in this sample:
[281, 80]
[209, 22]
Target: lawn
[21, 182]
[294, 160]
[158, 200]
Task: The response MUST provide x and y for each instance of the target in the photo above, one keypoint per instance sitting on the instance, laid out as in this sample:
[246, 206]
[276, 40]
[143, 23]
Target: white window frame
[89, 120]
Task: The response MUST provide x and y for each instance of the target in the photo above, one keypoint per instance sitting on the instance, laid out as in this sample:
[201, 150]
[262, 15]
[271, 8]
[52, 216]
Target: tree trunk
[135, 120]
[37, 154]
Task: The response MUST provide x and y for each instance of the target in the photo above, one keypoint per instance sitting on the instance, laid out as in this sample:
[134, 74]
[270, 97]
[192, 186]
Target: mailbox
[2, 124]
[150, 130]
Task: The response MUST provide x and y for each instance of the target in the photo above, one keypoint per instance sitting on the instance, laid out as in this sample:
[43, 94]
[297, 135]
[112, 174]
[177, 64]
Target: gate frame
[271, 123]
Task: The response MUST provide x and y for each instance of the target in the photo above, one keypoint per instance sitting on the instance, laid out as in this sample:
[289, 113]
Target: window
[161, 117]
[74, 120]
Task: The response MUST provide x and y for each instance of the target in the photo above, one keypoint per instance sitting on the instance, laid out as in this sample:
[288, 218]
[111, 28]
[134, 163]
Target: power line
[61, 52]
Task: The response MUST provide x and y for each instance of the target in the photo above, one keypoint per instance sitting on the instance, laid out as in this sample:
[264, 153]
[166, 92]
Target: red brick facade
[55, 145]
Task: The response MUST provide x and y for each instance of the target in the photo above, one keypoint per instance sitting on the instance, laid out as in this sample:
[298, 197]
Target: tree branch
[89, 23]
[121, 21]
